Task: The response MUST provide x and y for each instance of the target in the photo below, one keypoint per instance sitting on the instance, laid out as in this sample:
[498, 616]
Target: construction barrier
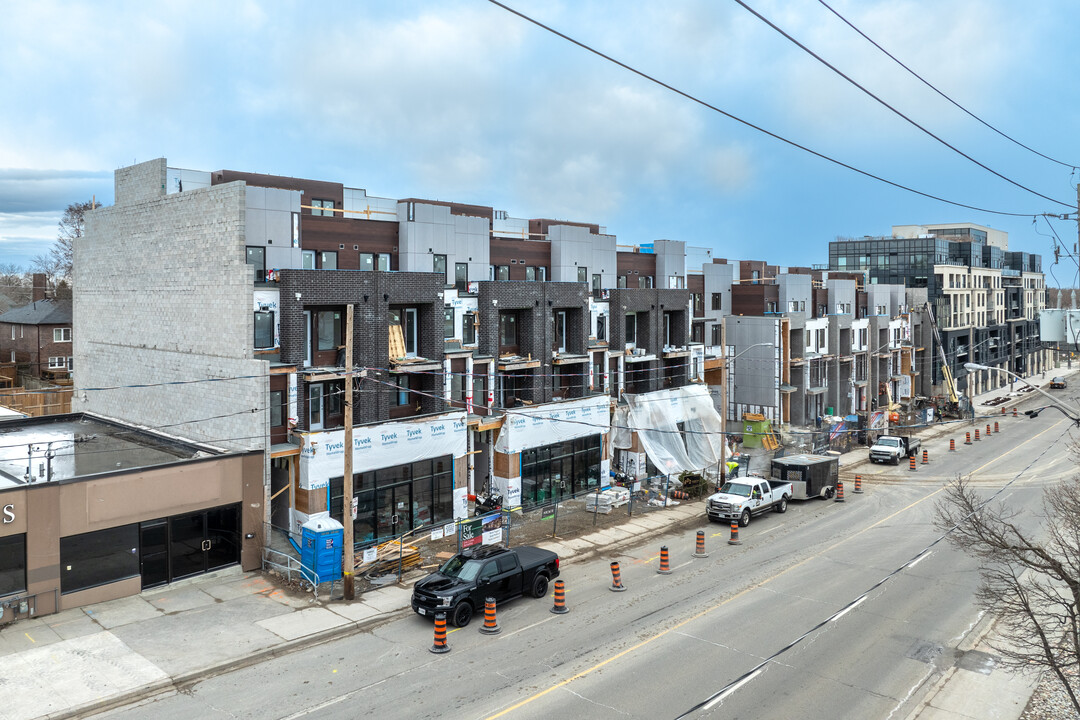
[925, 457]
[1002, 411]
[490, 627]
[952, 444]
[976, 434]
[996, 428]
[911, 463]
[839, 491]
[699, 548]
[734, 539]
[559, 608]
[665, 563]
[440, 645]
[858, 483]
[616, 579]
[1014, 412]
[968, 441]
[987, 429]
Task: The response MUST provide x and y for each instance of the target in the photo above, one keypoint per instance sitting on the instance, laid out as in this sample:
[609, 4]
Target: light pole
[1072, 413]
[723, 397]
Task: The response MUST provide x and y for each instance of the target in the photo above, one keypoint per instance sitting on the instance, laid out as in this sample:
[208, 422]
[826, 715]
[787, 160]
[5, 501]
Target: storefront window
[561, 470]
[12, 564]
[394, 500]
[99, 558]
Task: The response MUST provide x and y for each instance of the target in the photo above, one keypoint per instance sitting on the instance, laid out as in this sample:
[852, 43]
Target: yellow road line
[706, 611]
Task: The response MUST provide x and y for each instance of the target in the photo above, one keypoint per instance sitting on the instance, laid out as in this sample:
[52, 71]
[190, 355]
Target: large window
[329, 329]
[631, 328]
[277, 408]
[394, 500]
[530, 274]
[468, 328]
[328, 260]
[601, 327]
[12, 564]
[322, 207]
[564, 469]
[461, 277]
[99, 558]
[448, 322]
[717, 301]
[58, 334]
[307, 259]
[559, 318]
[256, 257]
[264, 330]
[508, 332]
[438, 265]
[399, 394]
[583, 274]
[502, 272]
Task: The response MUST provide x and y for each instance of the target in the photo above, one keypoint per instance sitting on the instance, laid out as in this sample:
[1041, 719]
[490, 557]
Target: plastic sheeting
[656, 416]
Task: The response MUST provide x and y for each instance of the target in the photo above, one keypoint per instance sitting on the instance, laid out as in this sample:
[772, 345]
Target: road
[671, 643]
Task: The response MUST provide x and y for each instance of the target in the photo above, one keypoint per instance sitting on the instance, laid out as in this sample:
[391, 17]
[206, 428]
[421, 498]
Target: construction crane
[950, 385]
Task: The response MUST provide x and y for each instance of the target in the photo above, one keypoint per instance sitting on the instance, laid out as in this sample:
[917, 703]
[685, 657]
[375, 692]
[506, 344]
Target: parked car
[461, 585]
[1057, 383]
[748, 497]
[890, 448]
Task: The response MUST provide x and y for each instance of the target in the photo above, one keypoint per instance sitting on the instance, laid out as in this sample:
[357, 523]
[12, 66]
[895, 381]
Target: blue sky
[464, 101]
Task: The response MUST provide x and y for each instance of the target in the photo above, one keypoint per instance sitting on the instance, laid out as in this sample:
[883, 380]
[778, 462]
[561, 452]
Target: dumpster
[757, 431]
[322, 542]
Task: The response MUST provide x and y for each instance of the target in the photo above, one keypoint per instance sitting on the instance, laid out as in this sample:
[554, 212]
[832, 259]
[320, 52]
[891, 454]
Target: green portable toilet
[755, 428]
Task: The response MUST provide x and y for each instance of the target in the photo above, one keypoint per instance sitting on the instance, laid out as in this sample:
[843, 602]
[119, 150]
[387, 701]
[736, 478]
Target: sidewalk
[93, 658]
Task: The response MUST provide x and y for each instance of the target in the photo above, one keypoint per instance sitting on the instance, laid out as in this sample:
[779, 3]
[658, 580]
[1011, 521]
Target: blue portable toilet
[322, 542]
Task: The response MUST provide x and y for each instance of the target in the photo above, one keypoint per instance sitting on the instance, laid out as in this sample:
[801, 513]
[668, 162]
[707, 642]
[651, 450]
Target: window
[328, 260]
[322, 207]
[716, 332]
[399, 395]
[408, 319]
[438, 264]
[308, 259]
[315, 407]
[631, 328]
[328, 331]
[502, 272]
[596, 282]
[468, 328]
[543, 274]
[561, 470]
[98, 558]
[559, 319]
[598, 376]
[508, 332]
[277, 408]
[601, 327]
[58, 334]
[530, 274]
[717, 301]
[699, 303]
[367, 261]
[622, 281]
[256, 257]
[12, 564]
[583, 274]
[461, 277]
[448, 322]
[264, 329]
[382, 261]
[58, 363]
[697, 333]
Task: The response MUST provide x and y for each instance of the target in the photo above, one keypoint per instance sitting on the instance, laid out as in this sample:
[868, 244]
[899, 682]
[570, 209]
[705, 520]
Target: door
[394, 509]
[222, 541]
[154, 553]
[186, 536]
[411, 326]
[315, 407]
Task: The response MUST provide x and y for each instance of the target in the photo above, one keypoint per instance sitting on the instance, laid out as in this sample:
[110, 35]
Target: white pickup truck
[890, 448]
[746, 497]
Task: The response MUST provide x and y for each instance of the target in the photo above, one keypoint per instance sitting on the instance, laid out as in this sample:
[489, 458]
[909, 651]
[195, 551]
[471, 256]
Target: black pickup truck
[461, 585]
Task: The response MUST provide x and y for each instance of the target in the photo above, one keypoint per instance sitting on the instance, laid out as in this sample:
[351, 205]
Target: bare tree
[56, 263]
[1029, 580]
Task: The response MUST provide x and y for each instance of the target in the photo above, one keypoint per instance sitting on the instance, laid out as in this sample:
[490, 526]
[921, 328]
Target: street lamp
[723, 402]
[1072, 413]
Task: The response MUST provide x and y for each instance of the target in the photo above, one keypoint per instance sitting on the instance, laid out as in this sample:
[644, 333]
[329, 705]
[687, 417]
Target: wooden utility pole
[723, 401]
[347, 503]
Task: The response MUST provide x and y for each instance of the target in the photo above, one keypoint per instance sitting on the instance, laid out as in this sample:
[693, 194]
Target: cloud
[32, 191]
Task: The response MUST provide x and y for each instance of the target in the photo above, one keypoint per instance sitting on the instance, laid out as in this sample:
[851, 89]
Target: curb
[187, 679]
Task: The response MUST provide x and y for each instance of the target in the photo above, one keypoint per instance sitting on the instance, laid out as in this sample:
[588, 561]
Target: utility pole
[723, 400]
[347, 503]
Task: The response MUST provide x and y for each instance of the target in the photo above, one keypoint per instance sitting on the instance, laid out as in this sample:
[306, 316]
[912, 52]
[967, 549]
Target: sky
[465, 101]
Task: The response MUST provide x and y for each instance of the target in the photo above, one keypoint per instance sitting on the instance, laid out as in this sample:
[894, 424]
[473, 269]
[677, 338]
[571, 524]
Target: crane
[950, 385]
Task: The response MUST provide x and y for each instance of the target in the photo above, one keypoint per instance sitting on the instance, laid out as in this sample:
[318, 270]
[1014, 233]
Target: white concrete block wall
[163, 295]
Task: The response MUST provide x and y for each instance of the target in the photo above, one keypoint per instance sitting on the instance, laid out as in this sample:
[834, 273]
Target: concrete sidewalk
[90, 659]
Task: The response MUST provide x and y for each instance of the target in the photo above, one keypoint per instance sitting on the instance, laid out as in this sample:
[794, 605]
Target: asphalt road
[671, 643]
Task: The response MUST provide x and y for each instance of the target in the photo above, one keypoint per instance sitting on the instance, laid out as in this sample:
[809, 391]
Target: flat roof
[62, 447]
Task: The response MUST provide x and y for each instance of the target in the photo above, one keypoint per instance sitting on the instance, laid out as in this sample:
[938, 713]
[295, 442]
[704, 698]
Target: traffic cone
[996, 429]
[665, 567]
[925, 457]
[440, 645]
[490, 627]
[616, 579]
[699, 549]
[839, 491]
[968, 441]
[987, 429]
[911, 463]
[858, 484]
[1014, 412]
[976, 434]
[952, 444]
[559, 608]
[734, 539]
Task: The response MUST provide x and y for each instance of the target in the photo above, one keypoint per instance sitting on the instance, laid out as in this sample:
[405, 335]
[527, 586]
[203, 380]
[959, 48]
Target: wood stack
[387, 559]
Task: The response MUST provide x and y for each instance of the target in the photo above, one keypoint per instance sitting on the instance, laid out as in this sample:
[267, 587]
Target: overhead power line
[928, 84]
[747, 123]
[839, 72]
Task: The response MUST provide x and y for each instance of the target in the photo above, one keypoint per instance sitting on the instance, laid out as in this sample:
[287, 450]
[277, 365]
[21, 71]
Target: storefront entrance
[191, 544]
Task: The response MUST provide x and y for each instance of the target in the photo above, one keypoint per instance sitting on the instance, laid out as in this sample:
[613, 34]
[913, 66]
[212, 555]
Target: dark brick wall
[650, 306]
[372, 294]
[535, 304]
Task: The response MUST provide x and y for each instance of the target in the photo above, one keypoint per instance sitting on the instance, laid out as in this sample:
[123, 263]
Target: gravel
[1050, 701]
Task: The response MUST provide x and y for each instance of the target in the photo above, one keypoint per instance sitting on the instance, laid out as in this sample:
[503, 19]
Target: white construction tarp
[531, 427]
[381, 446]
[656, 416]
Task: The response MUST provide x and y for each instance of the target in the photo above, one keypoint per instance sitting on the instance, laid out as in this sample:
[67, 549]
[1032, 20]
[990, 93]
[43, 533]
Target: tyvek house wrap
[655, 417]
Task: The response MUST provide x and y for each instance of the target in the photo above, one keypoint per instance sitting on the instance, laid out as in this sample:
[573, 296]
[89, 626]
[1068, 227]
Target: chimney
[39, 287]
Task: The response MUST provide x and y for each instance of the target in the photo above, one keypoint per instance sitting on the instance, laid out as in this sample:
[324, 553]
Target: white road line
[527, 627]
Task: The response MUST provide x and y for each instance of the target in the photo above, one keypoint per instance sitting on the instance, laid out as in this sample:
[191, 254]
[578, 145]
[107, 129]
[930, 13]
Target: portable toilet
[322, 542]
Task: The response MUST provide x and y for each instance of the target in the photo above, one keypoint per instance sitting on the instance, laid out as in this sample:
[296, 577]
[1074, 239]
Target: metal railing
[291, 568]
